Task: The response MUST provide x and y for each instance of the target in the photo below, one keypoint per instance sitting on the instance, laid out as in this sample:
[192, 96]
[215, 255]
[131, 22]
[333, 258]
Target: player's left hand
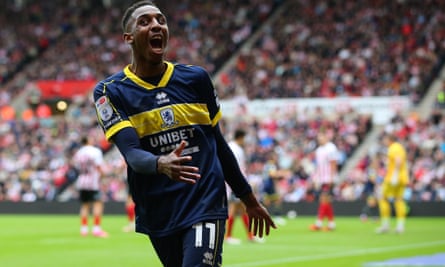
[260, 220]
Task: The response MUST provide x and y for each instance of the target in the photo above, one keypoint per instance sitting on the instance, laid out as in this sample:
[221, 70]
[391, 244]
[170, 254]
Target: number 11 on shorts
[209, 228]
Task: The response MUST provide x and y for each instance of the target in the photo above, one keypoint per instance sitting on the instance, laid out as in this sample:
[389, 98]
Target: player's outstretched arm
[260, 220]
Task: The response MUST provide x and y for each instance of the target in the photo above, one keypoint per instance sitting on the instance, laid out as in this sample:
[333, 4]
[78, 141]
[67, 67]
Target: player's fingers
[186, 180]
[183, 159]
[261, 227]
[180, 148]
[177, 169]
[193, 175]
[271, 223]
[186, 177]
[267, 226]
[189, 170]
[190, 176]
[255, 226]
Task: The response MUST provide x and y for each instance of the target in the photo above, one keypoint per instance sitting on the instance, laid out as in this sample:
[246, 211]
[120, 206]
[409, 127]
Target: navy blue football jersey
[182, 106]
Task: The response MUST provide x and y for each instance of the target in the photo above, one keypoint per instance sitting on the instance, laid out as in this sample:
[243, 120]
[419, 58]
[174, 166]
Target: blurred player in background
[164, 119]
[370, 210]
[323, 178]
[236, 207]
[129, 210]
[272, 197]
[393, 186]
[88, 161]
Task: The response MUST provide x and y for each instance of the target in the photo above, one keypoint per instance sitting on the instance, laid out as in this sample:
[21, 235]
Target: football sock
[245, 218]
[130, 212]
[385, 222]
[97, 220]
[325, 210]
[321, 212]
[329, 211]
[400, 223]
[230, 222]
[84, 221]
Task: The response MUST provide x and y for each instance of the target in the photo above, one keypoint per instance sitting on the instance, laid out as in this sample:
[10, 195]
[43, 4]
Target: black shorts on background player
[89, 196]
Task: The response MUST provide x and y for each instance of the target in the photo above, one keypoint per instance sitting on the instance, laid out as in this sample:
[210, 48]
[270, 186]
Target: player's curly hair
[131, 9]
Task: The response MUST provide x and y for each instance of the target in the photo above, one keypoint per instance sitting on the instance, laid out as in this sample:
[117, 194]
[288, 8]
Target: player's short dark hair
[131, 9]
[84, 140]
[239, 133]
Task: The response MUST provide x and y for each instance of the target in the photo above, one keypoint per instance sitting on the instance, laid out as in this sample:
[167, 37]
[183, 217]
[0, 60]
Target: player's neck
[147, 69]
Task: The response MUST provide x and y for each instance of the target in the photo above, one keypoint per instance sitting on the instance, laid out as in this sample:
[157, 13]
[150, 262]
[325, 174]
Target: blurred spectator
[313, 49]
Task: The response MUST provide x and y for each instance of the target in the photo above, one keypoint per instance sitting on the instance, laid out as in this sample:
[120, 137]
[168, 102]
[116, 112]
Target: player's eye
[143, 22]
[161, 19]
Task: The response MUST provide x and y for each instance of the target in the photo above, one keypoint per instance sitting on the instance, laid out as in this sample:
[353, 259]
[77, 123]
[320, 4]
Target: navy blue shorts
[199, 245]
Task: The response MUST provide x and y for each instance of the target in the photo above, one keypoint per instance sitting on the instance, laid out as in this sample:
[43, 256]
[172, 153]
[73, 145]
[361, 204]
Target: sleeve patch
[104, 109]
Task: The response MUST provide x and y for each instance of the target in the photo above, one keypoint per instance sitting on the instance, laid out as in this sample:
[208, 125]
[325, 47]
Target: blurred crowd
[424, 141]
[309, 49]
[304, 49]
[284, 142]
[289, 145]
[342, 48]
[35, 155]
[83, 39]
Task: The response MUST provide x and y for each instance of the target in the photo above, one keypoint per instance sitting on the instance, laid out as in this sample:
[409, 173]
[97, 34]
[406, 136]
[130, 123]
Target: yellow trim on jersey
[151, 122]
[165, 78]
[117, 127]
[216, 118]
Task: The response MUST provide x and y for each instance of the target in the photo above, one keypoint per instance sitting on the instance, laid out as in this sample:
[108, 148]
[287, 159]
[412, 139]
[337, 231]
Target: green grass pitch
[46, 240]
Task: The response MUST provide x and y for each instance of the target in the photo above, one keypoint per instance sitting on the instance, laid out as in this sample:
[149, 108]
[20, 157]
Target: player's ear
[128, 38]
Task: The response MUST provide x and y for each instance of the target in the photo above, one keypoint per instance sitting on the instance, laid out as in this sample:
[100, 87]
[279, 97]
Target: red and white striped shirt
[324, 155]
[88, 160]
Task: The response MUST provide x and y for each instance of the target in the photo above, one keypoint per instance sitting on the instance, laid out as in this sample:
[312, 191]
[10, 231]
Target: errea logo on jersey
[162, 98]
[208, 258]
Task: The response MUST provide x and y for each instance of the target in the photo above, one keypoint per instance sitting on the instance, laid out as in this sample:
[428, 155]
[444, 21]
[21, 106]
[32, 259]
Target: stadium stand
[267, 50]
[338, 48]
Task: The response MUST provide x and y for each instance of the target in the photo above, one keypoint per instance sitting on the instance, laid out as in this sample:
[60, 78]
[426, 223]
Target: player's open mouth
[156, 43]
